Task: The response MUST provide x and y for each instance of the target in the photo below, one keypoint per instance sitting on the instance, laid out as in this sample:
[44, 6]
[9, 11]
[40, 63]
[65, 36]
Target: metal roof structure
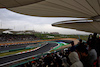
[81, 25]
[89, 9]
[54, 8]
[1, 30]
[16, 3]
[4, 29]
[15, 32]
[29, 31]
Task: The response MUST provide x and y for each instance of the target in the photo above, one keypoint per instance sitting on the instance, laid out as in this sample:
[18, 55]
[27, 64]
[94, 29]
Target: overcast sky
[15, 21]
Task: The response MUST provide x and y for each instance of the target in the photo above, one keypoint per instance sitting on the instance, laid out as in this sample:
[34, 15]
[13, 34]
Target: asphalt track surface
[43, 49]
[12, 47]
[18, 46]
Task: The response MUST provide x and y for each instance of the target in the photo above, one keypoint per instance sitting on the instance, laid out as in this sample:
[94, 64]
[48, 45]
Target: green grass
[83, 37]
[60, 45]
[44, 36]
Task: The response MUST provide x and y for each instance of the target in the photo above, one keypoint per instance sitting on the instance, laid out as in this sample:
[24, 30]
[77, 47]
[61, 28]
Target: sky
[19, 22]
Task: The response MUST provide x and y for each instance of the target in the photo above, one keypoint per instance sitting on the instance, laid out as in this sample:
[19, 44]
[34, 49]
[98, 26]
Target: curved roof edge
[17, 3]
[80, 25]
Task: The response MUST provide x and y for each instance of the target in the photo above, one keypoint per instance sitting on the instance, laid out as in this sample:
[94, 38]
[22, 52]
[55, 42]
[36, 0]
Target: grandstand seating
[16, 37]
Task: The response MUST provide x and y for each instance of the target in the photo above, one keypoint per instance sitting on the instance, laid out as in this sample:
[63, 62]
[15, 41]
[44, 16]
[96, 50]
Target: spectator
[73, 46]
[80, 42]
[74, 59]
[85, 59]
[90, 37]
[92, 54]
[58, 61]
[97, 47]
[65, 60]
[80, 46]
[47, 60]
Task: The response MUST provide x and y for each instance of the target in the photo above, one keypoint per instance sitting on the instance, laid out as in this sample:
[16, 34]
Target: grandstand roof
[16, 3]
[4, 29]
[15, 32]
[29, 31]
[1, 30]
[81, 25]
[59, 8]
[54, 8]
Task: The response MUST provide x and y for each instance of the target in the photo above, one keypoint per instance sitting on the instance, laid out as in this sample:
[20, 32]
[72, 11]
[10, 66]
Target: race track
[43, 49]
